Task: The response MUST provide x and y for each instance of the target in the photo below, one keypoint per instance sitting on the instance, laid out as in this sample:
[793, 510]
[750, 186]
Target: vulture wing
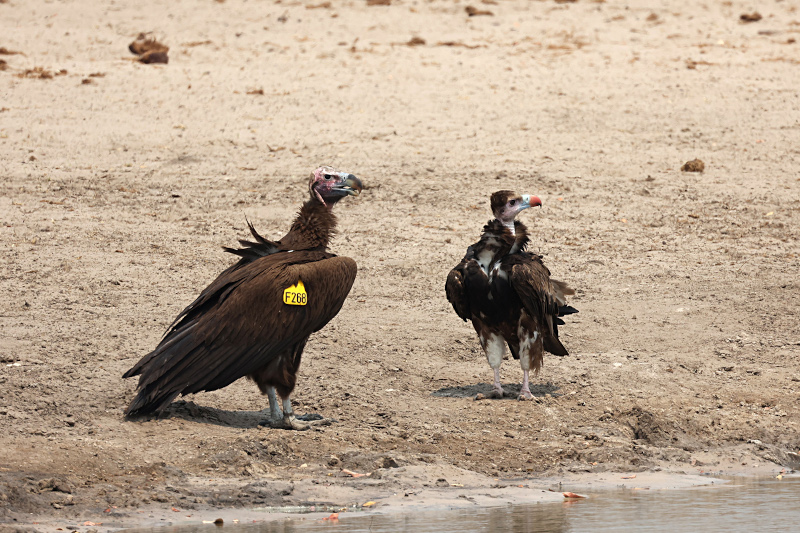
[456, 286]
[240, 324]
[540, 296]
[456, 290]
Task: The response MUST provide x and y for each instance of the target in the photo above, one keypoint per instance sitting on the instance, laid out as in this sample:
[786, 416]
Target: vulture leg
[525, 392]
[289, 421]
[530, 354]
[524, 361]
[275, 413]
[494, 346]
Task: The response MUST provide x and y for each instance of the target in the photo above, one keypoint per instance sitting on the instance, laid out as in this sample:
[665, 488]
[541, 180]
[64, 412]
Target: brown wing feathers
[253, 250]
[240, 326]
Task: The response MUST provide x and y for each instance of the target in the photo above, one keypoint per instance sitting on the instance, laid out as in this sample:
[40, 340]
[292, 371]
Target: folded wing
[239, 324]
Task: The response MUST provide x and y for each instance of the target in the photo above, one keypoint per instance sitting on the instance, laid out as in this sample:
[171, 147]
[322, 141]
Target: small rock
[695, 165]
[386, 462]
[154, 56]
[219, 522]
[793, 460]
[750, 17]
[475, 12]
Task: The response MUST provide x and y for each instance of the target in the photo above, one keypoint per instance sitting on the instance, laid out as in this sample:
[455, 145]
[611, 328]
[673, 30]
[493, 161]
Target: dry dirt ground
[122, 181]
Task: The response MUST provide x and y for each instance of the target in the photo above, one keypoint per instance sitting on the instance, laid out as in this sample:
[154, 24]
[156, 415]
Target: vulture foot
[299, 423]
[497, 392]
[525, 395]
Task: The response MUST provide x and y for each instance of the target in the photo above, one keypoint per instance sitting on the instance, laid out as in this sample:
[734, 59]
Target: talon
[525, 394]
[295, 423]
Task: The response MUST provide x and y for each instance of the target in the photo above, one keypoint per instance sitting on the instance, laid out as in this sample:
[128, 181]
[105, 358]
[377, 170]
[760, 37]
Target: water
[741, 505]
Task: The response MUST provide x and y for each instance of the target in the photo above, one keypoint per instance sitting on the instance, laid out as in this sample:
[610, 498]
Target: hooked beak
[348, 185]
[530, 201]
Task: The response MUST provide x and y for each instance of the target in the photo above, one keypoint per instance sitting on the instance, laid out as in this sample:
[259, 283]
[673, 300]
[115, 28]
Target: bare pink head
[329, 185]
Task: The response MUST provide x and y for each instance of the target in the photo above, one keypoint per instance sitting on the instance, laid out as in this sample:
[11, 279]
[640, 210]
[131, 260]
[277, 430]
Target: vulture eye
[512, 202]
[328, 177]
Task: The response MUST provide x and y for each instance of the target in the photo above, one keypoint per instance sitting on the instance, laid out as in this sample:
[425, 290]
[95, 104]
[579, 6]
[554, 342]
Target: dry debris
[41, 73]
[460, 44]
[475, 12]
[750, 17]
[149, 49]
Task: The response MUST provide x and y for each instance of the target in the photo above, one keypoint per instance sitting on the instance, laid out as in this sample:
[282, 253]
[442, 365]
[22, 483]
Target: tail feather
[562, 290]
[566, 310]
[554, 346]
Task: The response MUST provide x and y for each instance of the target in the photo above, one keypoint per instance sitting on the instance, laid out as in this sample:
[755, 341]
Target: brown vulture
[255, 319]
[508, 294]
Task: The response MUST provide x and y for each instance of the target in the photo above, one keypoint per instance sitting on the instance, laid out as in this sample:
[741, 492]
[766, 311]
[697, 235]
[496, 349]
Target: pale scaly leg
[525, 392]
[289, 421]
[495, 348]
[275, 413]
[526, 346]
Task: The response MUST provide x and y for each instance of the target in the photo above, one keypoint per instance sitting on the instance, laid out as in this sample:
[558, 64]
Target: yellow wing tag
[296, 294]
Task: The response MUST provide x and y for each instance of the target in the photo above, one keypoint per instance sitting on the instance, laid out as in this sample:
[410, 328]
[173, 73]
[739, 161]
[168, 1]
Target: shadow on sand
[192, 412]
[511, 391]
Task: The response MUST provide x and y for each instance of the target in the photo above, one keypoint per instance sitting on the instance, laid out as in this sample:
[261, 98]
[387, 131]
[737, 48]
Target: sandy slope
[117, 194]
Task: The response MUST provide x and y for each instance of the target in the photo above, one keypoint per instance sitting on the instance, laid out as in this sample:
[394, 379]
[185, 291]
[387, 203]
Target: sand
[122, 181]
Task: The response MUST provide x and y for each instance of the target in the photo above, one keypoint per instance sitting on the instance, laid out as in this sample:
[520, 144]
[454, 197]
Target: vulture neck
[497, 241]
[313, 227]
[500, 240]
[521, 239]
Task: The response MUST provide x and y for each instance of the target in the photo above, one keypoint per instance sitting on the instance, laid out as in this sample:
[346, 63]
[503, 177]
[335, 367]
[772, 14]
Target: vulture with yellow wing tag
[508, 294]
[255, 318]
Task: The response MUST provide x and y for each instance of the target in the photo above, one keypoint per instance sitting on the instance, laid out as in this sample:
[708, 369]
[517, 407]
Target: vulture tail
[554, 346]
[566, 310]
[562, 290]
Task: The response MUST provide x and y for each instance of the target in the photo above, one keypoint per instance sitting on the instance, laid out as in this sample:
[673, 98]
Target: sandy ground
[122, 181]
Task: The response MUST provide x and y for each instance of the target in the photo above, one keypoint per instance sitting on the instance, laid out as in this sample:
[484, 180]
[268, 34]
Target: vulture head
[506, 205]
[329, 185]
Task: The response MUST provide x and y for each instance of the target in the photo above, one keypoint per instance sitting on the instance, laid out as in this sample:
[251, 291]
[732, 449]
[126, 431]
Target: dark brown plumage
[243, 323]
[507, 292]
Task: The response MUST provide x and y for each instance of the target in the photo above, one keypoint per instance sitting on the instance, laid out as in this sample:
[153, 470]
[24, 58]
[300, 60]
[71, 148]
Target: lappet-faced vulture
[255, 318]
[508, 294]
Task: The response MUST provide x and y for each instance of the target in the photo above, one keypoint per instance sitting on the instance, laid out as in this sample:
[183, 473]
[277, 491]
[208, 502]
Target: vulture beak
[348, 185]
[530, 201]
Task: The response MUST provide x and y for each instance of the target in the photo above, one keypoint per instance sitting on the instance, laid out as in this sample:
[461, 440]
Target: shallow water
[740, 505]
